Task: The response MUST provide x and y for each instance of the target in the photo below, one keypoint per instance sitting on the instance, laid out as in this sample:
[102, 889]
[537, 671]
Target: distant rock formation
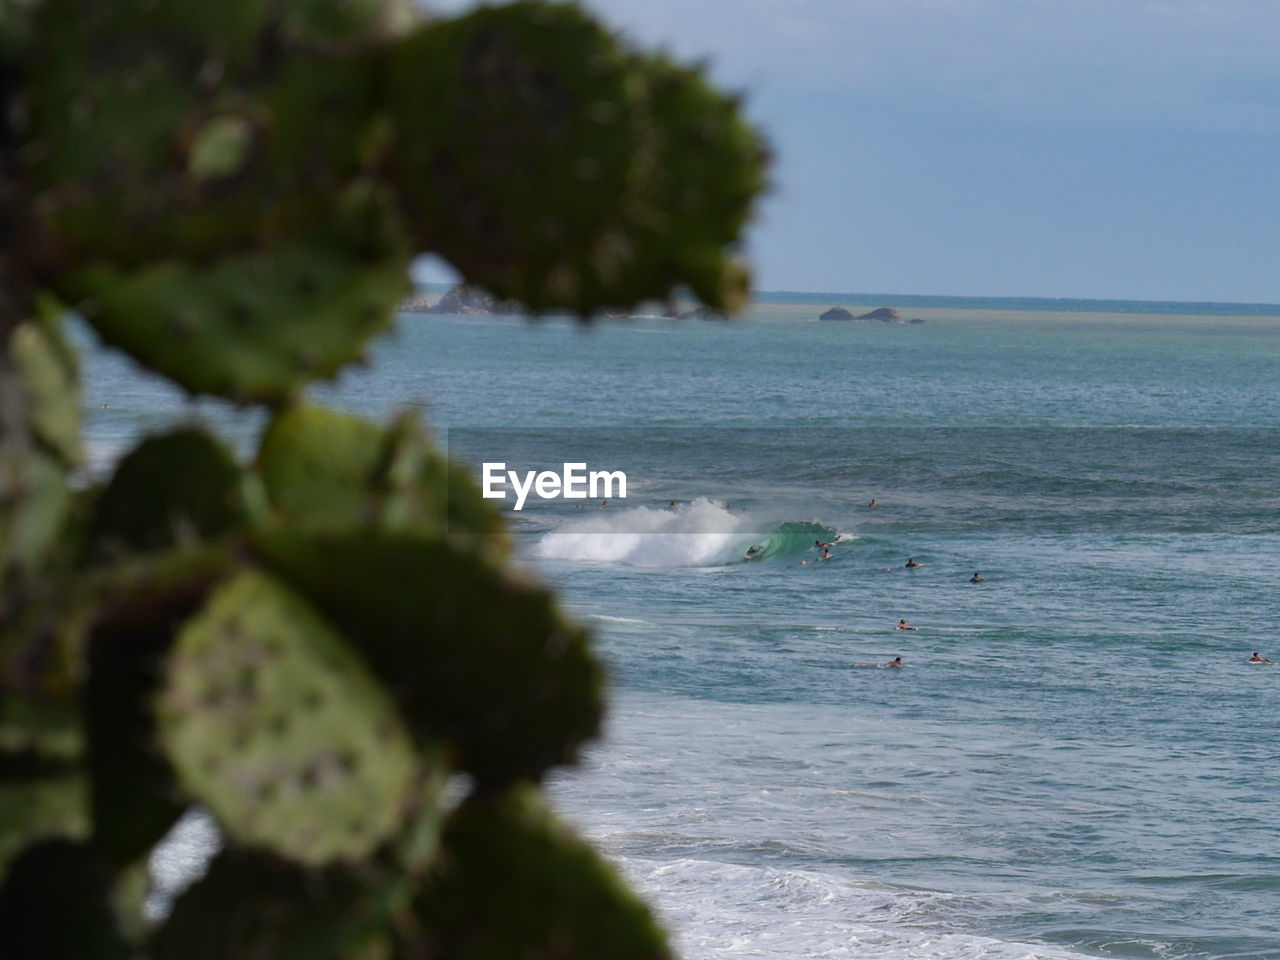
[836, 313]
[464, 299]
[916, 320]
[883, 314]
[475, 301]
[415, 303]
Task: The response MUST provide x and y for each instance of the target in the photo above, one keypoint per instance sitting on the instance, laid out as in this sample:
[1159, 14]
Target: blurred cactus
[274, 724]
[515, 884]
[309, 645]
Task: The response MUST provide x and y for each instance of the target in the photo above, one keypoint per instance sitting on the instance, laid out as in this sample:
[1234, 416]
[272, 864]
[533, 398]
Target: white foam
[699, 534]
[721, 910]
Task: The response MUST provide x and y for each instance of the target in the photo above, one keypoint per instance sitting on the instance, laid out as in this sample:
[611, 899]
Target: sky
[1124, 149]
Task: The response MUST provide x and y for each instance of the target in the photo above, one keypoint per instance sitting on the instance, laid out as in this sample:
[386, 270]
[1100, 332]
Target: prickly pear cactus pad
[613, 149]
[135, 799]
[251, 327]
[542, 82]
[514, 884]
[280, 730]
[46, 368]
[254, 906]
[475, 658]
[173, 489]
[39, 443]
[706, 168]
[323, 468]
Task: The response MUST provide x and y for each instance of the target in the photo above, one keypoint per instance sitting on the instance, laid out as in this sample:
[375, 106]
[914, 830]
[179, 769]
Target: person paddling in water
[911, 562]
[977, 579]
[872, 503]
[902, 625]
[1259, 658]
[895, 662]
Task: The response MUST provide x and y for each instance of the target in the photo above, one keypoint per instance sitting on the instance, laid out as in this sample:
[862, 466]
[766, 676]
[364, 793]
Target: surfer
[826, 554]
[902, 625]
[911, 562]
[872, 503]
[977, 579]
[895, 662]
[821, 545]
[1259, 658]
[671, 505]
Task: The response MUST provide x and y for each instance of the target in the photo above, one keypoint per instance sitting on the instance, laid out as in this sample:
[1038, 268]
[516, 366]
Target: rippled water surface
[1076, 759]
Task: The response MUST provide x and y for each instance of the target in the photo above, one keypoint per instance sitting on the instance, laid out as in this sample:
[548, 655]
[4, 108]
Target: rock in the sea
[916, 320]
[467, 299]
[836, 313]
[885, 314]
[415, 303]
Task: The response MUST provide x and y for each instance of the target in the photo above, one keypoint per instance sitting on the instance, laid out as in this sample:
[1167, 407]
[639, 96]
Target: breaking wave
[702, 533]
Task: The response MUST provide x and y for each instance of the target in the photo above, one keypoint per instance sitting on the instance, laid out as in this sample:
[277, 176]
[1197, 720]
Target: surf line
[575, 482]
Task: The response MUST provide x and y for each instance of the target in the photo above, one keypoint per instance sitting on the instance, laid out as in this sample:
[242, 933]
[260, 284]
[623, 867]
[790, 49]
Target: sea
[1076, 758]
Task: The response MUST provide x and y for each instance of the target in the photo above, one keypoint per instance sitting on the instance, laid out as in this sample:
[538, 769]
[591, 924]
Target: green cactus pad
[473, 657]
[34, 501]
[514, 884]
[41, 806]
[251, 327]
[135, 797]
[55, 905]
[633, 176]
[47, 372]
[706, 170]
[176, 129]
[519, 129]
[321, 469]
[253, 905]
[275, 725]
[174, 489]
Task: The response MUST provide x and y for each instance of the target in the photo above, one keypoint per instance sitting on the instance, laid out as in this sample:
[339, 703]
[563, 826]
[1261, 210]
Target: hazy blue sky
[1059, 148]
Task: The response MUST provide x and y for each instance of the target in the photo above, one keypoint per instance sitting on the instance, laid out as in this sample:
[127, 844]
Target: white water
[698, 534]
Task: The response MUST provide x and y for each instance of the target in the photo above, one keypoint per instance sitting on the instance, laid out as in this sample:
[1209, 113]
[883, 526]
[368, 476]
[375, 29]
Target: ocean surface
[1076, 758]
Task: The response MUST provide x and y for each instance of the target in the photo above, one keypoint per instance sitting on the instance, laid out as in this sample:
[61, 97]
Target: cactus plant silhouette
[309, 644]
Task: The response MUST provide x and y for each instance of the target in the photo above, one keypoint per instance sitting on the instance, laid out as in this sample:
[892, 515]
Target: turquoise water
[1075, 761]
